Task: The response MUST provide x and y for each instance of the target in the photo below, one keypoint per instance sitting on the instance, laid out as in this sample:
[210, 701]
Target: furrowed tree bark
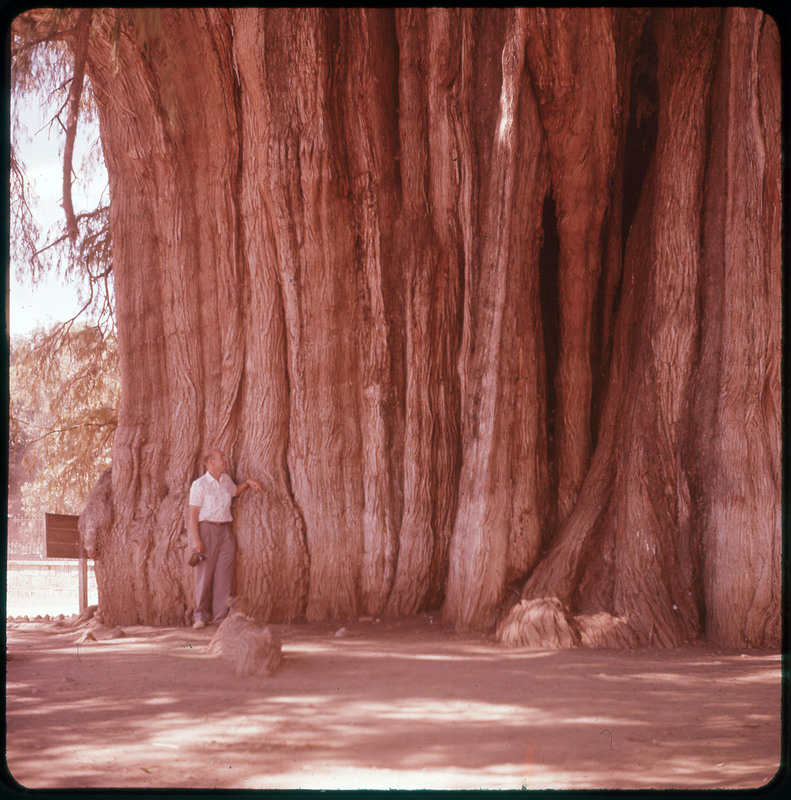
[637, 530]
[180, 328]
[631, 44]
[635, 523]
[502, 493]
[571, 57]
[316, 266]
[738, 471]
[265, 396]
[371, 87]
[428, 246]
[488, 300]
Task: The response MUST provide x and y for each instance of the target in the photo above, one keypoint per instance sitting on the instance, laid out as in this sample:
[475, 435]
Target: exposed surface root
[547, 623]
[538, 623]
[86, 615]
[250, 647]
[605, 630]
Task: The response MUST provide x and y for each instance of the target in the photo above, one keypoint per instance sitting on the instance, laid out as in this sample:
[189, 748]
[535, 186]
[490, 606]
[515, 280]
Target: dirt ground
[401, 704]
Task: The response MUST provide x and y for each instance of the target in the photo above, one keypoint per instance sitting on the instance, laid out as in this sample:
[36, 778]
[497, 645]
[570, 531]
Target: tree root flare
[249, 647]
[546, 623]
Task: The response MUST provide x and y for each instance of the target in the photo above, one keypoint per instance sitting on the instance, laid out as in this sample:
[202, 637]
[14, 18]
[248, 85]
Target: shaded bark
[97, 516]
[632, 547]
[333, 254]
[429, 252]
[571, 57]
[631, 525]
[737, 476]
[307, 193]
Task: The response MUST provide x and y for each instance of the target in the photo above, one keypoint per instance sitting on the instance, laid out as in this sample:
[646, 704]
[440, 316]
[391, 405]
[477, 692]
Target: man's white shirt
[213, 497]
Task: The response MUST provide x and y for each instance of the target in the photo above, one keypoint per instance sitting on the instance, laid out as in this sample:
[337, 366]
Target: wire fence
[27, 539]
[36, 585]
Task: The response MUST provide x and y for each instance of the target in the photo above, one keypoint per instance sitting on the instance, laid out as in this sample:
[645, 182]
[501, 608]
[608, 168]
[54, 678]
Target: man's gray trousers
[214, 575]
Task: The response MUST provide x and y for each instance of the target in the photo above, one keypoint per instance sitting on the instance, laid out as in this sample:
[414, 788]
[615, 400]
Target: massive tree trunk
[503, 498]
[627, 548]
[737, 385]
[643, 552]
[487, 299]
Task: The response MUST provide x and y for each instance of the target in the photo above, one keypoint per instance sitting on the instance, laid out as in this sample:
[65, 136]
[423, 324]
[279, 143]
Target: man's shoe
[199, 624]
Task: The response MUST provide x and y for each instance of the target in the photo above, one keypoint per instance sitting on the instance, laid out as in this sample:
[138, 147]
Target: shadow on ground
[397, 704]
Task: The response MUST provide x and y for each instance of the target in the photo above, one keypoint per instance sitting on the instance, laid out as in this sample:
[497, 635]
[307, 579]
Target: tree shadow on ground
[395, 707]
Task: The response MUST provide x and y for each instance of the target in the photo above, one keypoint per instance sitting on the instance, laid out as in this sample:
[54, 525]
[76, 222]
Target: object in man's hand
[196, 558]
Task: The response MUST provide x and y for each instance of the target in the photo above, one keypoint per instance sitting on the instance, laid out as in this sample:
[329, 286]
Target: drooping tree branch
[111, 424]
[88, 215]
[83, 30]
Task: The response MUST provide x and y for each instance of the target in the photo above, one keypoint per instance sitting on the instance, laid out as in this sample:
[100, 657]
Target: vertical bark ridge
[429, 241]
[629, 27]
[571, 54]
[144, 416]
[737, 480]
[203, 251]
[655, 537]
[479, 558]
[310, 194]
[270, 529]
[632, 521]
[445, 147]
[415, 247]
[370, 150]
[524, 439]
[223, 180]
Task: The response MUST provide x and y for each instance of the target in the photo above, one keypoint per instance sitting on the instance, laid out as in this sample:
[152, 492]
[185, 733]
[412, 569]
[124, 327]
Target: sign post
[63, 541]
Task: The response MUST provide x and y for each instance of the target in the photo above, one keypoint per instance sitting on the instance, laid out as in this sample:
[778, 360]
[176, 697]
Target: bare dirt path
[392, 704]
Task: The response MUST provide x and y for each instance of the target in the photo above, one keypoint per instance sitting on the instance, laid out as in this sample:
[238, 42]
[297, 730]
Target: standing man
[210, 534]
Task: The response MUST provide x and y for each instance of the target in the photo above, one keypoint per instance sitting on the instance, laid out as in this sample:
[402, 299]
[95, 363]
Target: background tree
[63, 380]
[477, 293]
[42, 68]
[63, 412]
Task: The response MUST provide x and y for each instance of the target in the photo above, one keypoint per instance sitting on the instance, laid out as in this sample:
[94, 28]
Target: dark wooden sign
[63, 538]
[63, 541]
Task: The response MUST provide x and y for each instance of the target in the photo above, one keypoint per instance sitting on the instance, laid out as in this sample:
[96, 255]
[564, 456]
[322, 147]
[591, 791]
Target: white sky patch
[52, 299]
[31, 307]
